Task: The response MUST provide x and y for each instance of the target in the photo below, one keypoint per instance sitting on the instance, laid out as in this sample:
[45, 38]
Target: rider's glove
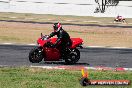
[43, 38]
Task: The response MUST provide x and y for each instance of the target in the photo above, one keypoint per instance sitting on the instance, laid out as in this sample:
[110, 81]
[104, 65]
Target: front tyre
[35, 55]
[73, 57]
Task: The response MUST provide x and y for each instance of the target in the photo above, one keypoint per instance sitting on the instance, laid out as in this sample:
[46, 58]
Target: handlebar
[45, 37]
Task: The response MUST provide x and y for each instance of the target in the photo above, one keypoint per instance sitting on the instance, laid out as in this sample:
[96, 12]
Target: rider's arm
[58, 39]
[52, 34]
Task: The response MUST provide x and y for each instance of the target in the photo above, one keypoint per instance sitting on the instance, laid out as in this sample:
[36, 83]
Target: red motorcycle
[119, 19]
[45, 51]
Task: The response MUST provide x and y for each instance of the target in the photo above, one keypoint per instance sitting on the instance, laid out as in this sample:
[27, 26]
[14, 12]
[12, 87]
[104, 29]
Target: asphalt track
[95, 25]
[17, 55]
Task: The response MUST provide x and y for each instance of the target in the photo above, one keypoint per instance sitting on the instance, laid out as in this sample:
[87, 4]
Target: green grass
[24, 77]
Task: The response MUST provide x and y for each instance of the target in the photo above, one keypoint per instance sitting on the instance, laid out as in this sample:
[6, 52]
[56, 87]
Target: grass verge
[56, 18]
[26, 77]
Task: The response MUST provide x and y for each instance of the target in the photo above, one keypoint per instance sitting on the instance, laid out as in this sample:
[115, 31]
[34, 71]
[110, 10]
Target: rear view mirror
[41, 35]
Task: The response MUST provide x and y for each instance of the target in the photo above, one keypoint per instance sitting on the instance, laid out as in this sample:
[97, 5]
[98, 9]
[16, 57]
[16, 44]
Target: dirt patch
[92, 35]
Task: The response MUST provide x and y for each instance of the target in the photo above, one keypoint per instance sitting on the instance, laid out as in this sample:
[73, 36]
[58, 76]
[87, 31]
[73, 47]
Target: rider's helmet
[57, 27]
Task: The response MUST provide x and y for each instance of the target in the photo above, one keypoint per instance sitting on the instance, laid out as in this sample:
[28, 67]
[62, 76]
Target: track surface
[17, 55]
[96, 25]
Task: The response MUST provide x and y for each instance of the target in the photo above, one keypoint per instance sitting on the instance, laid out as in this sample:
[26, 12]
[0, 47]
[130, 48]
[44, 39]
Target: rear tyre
[73, 57]
[35, 55]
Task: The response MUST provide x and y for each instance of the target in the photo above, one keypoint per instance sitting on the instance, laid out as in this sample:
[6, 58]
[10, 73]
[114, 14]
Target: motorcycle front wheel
[73, 57]
[35, 55]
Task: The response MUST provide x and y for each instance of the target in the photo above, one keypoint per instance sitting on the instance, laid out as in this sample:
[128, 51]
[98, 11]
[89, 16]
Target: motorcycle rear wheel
[35, 55]
[73, 57]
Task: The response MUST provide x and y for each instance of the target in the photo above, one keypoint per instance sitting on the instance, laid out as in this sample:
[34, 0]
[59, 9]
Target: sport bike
[45, 51]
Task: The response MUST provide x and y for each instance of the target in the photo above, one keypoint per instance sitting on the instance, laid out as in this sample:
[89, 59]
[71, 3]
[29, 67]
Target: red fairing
[47, 52]
[52, 54]
[76, 42]
[42, 42]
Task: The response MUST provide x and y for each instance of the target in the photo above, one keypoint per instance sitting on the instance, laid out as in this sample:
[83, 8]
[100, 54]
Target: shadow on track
[62, 63]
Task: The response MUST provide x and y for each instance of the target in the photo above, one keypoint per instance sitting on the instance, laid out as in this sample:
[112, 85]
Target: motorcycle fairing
[52, 54]
[75, 41]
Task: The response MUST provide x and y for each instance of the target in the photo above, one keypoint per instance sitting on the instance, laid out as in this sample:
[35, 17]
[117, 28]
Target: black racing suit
[63, 40]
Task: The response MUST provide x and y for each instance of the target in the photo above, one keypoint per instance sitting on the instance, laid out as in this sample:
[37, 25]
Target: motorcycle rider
[63, 38]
